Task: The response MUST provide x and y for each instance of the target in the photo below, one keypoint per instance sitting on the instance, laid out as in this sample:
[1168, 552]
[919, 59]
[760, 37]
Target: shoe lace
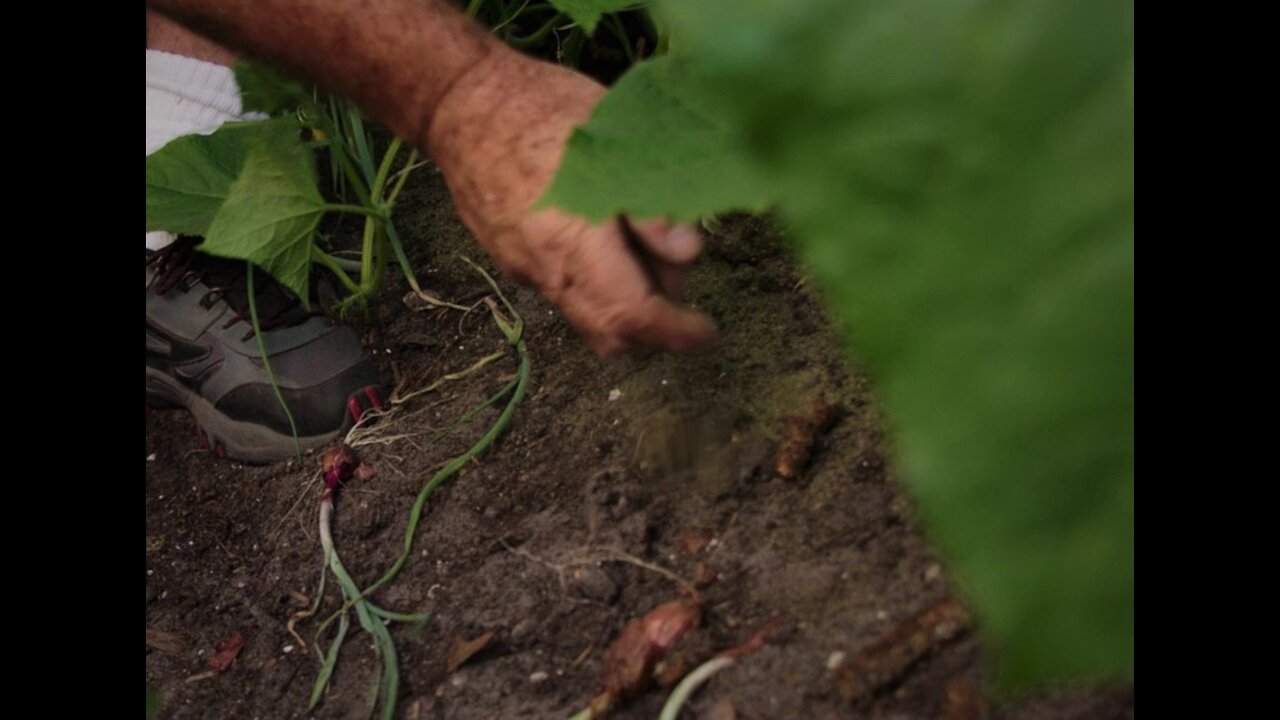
[179, 265]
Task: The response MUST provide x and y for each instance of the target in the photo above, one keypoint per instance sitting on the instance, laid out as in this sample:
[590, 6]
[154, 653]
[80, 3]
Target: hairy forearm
[396, 58]
[496, 123]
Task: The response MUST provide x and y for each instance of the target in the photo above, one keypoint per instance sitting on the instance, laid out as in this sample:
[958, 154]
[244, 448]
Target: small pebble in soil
[151, 457]
[704, 575]
[835, 660]
[538, 677]
[593, 583]
[287, 649]
[522, 630]
[614, 395]
[933, 572]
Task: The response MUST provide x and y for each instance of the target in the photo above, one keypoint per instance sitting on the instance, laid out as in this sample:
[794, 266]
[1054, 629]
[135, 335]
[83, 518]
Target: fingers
[655, 323]
[612, 302]
[676, 244]
[662, 324]
[670, 279]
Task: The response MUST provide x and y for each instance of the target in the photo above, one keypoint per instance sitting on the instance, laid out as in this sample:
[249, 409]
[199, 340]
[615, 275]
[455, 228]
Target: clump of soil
[549, 541]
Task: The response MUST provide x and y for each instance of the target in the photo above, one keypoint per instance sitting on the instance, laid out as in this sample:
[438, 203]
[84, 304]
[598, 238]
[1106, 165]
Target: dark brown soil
[640, 456]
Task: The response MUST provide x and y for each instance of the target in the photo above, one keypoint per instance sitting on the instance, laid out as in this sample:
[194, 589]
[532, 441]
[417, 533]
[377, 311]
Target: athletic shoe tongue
[276, 305]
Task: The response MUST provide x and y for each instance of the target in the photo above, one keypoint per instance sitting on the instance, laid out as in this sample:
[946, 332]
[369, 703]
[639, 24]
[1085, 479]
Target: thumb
[662, 324]
[678, 244]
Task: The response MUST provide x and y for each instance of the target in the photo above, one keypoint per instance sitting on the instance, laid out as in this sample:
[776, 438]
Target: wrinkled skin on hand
[498, 135]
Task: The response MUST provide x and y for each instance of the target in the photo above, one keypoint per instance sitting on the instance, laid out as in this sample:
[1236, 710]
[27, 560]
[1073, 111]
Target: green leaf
[188, 179]
[959, 177]
[652, 149]
[267, 90]
[271, 210]
[587, 12]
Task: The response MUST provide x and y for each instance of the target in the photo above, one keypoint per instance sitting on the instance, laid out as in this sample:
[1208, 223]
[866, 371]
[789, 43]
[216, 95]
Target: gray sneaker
[202, 355]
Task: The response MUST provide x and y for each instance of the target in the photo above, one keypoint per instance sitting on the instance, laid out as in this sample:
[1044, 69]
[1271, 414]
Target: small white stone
[615, 395]
[933, 572]
[538, 677]
[835, 660]
[151, 457]
[287, 649]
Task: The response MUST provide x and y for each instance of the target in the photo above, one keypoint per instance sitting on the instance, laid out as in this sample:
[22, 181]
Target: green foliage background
[959, 177]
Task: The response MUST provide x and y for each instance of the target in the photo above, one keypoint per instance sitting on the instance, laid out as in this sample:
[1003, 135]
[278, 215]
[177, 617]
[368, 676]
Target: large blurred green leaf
[959, 176]
[588, 12]
[652, 149]
[272, 209]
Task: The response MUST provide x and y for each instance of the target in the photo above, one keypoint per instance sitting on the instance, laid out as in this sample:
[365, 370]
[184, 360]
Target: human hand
[498, 135]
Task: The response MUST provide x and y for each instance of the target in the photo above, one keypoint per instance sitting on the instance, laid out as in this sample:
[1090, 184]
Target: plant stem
[615, 26]
[517, 387]
[330, 660]
[335, 265]
[360, 140]
[441, 434]
[412, 279]
[384, 169]
[366, 254]
[415, 618]
[400, 178]
[385, 647]
[380, 256]
[266, 362]
[377, 213]
[690, 683]
[448, 471]
[339, 151]
[536, 36]
[510, 17]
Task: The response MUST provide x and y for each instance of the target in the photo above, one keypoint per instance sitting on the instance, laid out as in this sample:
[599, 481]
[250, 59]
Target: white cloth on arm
[186, 96]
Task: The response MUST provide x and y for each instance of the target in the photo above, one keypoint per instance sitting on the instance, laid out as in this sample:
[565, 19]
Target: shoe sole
[244, 441]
